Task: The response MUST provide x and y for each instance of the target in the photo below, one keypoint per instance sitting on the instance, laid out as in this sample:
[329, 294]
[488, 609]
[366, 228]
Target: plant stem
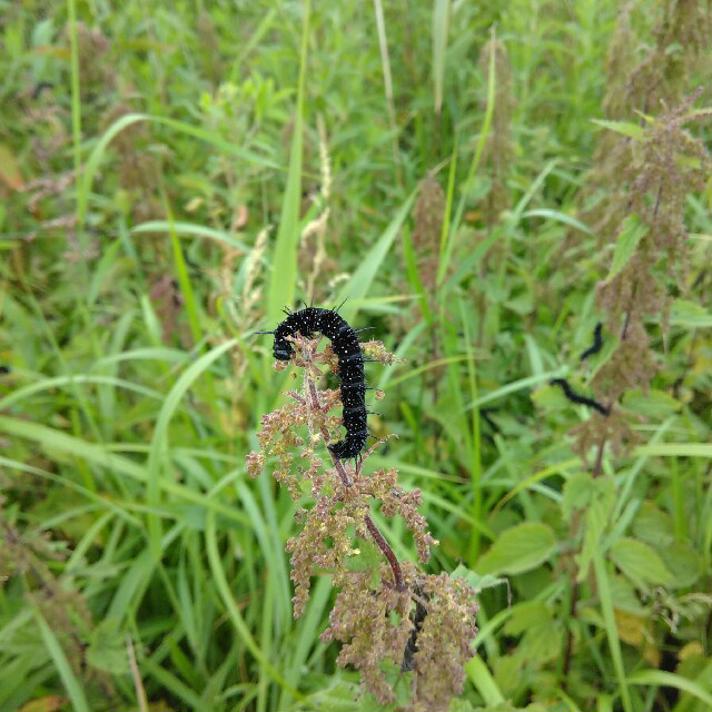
[346, 481]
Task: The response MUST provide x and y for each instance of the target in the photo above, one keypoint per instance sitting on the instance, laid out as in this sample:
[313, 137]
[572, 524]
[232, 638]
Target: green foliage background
[143, 149]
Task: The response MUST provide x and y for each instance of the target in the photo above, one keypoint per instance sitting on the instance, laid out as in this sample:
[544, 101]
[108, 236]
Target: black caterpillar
[418, 618]
[597, 344]
[348, 350]
[574, 397]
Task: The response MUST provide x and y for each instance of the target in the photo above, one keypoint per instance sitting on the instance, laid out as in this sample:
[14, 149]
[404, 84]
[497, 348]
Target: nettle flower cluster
[394, 621]
[668, 163]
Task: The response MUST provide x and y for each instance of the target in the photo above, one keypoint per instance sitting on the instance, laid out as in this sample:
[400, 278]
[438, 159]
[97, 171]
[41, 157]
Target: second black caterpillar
[348, 351]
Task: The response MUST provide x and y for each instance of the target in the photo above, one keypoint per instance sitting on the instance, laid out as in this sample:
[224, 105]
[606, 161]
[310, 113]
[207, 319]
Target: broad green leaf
[519, 549]
[596, 523]
[625, 598]
[653, 404]
[689, 315]
[578, 492]
[526, 615]
[653, 526]
[640, 562]
[595, 497]
[624, 128]
[107, 648]
[632, 231]
[542, 642]
[683, 562]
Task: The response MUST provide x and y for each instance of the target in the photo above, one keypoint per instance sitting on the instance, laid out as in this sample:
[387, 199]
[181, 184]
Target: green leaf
[519, 549]
[107, 648]
[670, 679]
[477, 582]
[624, 128]
[595, 496]
[558, 216]
[632, 231]
[689, 315]
[675, 450]
[653, 526]
[640, 562]
[653, 404]
[684, 563]
[360, 283]
[625, 597]
[578, 493]
[526, 615]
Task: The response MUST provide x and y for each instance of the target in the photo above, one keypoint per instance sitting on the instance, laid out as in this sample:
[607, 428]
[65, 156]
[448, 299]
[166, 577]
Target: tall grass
[127, 522]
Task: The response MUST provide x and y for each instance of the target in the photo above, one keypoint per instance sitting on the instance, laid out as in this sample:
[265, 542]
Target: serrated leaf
[479, 583]
[632, 231]
[519, 549]
[578, 492]
[596, 521]
[542, 643]
[624, 596]
[624, 128]
[640, 562]
[689, 315]
[653, 526]
[595, 496]
[653, 404]
[527, 615]
[107, 648]
[683, 562]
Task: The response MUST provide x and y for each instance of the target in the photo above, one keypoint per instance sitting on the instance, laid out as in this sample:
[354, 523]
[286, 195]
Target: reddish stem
[346, 481]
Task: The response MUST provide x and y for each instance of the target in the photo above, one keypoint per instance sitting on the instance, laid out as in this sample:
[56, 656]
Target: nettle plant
[396, 623]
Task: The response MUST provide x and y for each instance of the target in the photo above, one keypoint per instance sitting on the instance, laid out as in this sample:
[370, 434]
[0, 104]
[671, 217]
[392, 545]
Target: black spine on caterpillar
[574, 397]
[348, 351]
[597, 344]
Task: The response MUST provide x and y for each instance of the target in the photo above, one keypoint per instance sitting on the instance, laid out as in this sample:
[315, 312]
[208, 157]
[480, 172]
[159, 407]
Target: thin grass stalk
[388, 86]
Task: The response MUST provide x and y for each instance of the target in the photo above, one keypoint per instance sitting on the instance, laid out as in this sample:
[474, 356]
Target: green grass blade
[97, 154]
[158, 452]
[51, 440]
[614, 643]
[283, 280]
[71, 684]
[662, 678]
[233, 611]
[361, 280]
[189, 230]
[441, 25]
[482, 679]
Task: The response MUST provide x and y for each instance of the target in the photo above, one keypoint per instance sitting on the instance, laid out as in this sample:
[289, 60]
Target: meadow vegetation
[516, 198]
